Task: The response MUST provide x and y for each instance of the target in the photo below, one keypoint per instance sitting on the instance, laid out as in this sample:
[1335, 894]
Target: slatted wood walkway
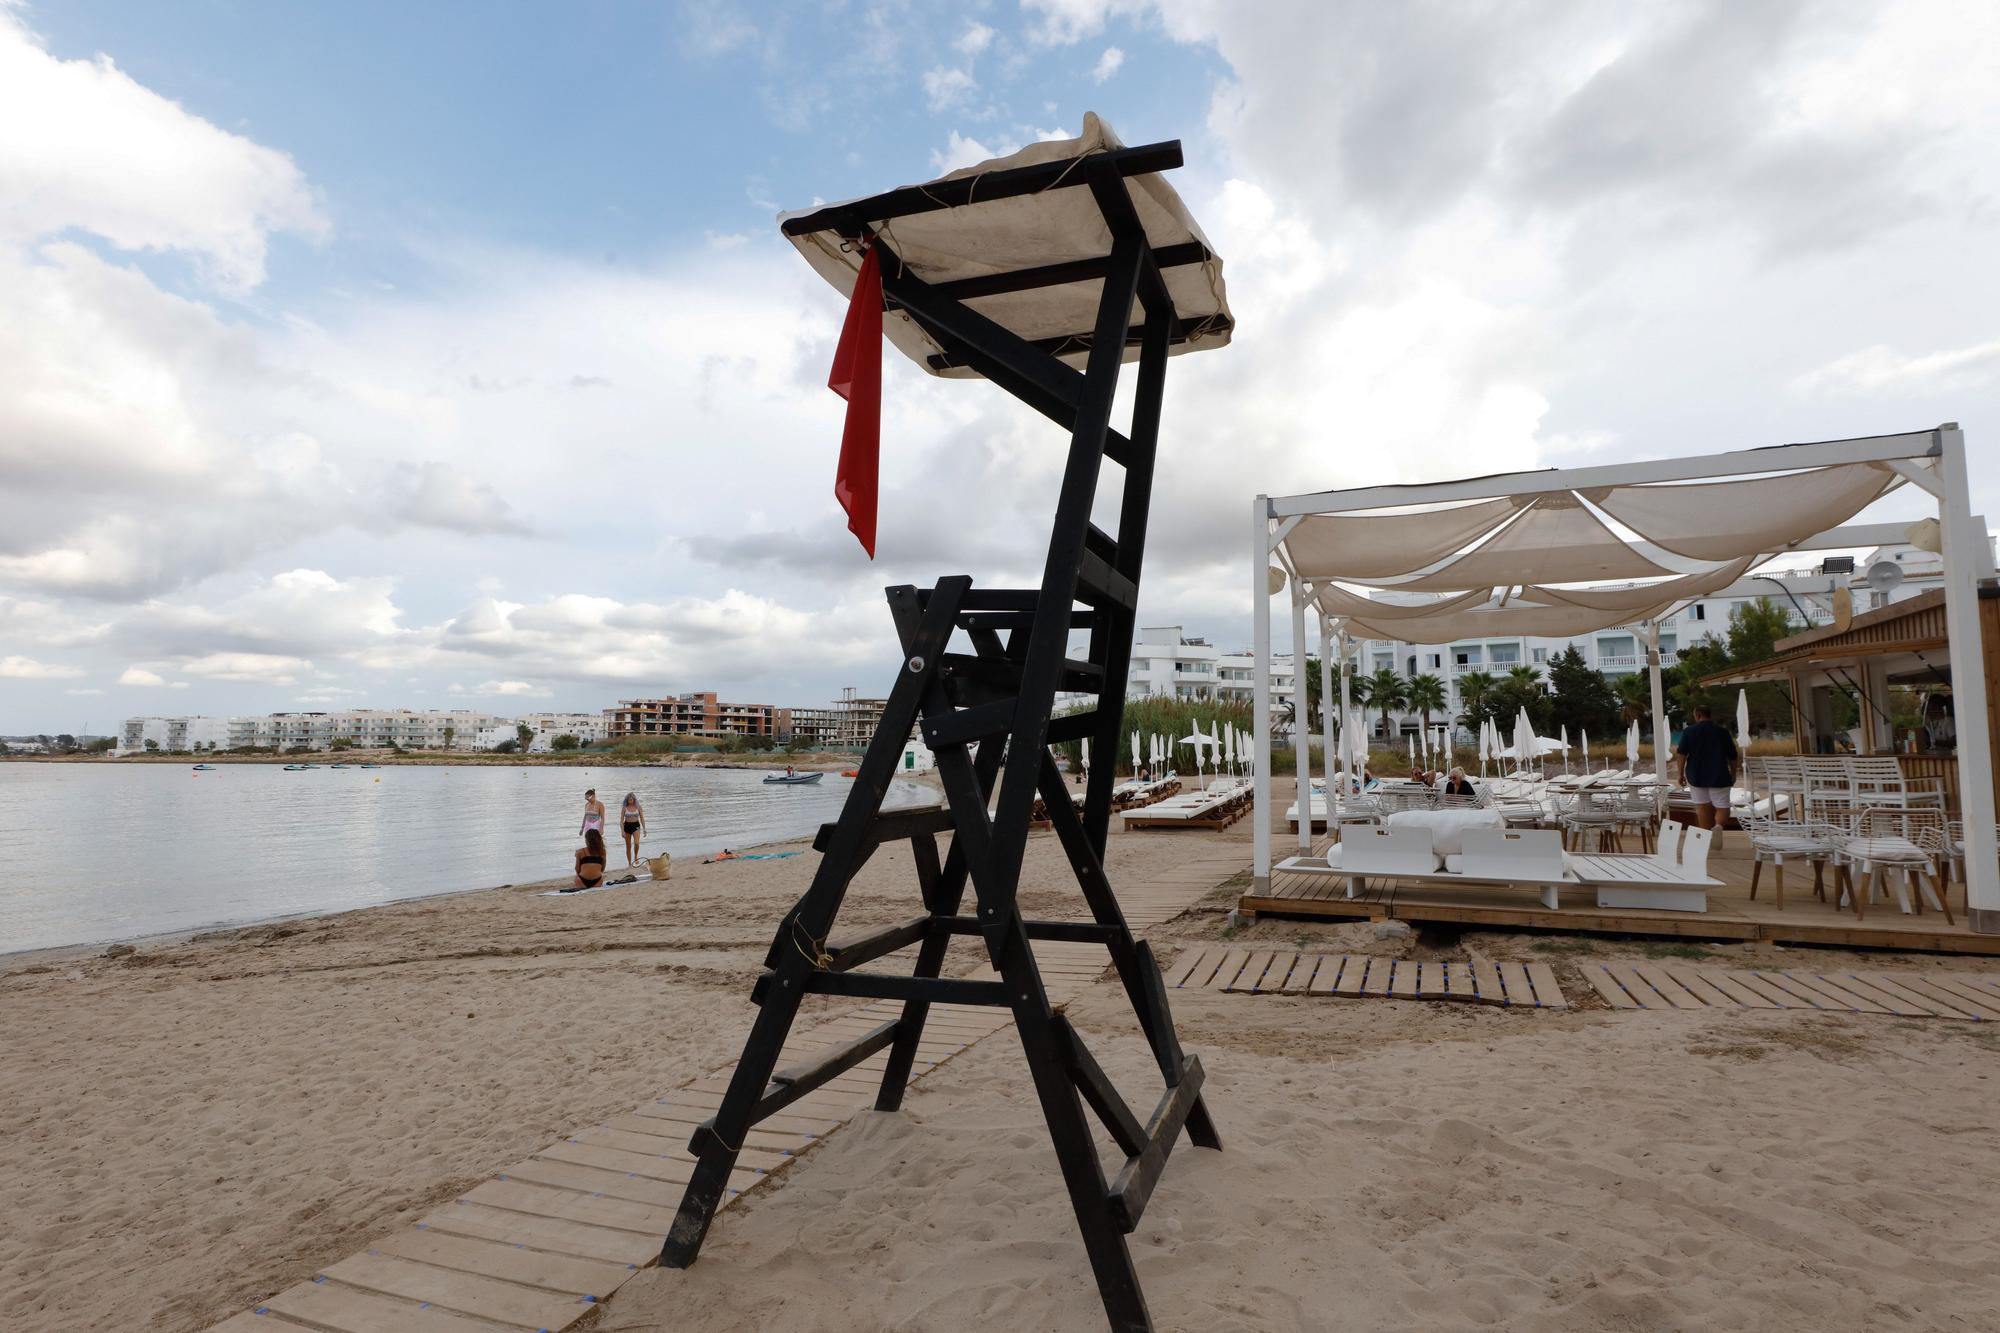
[1906, 994]
[1288, 972]
[541, 1243]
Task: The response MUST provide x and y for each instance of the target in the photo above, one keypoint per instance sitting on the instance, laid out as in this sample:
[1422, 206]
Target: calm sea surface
[98, 852]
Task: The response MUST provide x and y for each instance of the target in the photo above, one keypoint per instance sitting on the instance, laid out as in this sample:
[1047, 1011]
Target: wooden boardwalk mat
[1289, 972]
[1904, 994]
[538, 1245]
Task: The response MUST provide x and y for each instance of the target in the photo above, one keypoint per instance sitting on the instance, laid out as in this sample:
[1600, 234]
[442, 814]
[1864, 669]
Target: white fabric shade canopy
[1505, 566]
[1029, 231]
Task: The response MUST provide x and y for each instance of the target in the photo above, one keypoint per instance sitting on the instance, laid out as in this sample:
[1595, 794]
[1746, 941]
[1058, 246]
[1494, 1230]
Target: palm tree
[1425, 694]
[1524, 675]
[1473, 687]
[1635, 696]
[1385, 690]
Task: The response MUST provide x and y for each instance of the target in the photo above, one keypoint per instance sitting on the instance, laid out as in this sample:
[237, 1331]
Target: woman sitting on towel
[590, 861]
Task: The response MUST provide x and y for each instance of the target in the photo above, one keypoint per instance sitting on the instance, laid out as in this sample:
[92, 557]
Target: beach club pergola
[1573, 551]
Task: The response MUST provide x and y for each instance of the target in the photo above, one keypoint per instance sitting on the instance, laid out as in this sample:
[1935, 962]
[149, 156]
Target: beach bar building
[1575, 551]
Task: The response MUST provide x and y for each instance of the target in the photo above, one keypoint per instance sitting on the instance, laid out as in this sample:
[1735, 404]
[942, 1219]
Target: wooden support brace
[895, 826]
[1134, 1185]
[872, 986]
[1098, 1093]
[852, 953]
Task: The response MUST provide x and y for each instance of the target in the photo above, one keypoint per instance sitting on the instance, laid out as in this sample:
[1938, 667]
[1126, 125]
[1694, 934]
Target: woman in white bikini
[632, 822]
[593, 814]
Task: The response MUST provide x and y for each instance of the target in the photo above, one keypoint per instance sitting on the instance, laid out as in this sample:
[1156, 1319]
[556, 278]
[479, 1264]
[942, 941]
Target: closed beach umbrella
[1743, 719]
[1084, 746]
[1632, 744]
[1137, 758]
[1584, 746]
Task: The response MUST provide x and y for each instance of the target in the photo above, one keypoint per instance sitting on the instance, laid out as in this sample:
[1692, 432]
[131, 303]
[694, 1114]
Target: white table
[1447, 826]
[1643, 881]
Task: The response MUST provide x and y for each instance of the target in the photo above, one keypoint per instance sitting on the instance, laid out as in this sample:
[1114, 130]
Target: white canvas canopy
[1563, 552]
[1016, 232]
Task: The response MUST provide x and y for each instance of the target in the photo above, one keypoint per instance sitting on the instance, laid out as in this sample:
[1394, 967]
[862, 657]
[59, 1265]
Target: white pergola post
[1346, 705]
[1966, 561]
[1651, 630]
[1328, 640]
[1260, 708]
[1301, 724]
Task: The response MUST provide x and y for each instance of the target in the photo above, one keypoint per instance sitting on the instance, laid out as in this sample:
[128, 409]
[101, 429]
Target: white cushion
[1447, 826]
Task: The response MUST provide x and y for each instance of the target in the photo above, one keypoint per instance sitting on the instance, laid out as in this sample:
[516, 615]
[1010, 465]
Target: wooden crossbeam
[848, 218]
[1134, 1186]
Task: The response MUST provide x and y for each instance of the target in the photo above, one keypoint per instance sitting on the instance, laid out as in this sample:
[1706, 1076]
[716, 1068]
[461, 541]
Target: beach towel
[595, 888]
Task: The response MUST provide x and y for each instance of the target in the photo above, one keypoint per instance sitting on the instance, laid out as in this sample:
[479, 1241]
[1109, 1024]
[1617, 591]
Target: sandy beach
[195, 1126]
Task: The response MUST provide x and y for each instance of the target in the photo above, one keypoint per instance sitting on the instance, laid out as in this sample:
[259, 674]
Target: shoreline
[15, 959]
[58, 953]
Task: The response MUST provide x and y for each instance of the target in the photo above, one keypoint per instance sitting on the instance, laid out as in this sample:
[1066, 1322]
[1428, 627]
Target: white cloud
[975, 39]
[1107, 64]
[254, 668]
[13, 667]
[85, 693]
[945, 87]
[505, 689]
[140, 676]
[437, 495]
[714, 27]
[1883, 370]
[83, 146]
[1065, 22]
[960, 151]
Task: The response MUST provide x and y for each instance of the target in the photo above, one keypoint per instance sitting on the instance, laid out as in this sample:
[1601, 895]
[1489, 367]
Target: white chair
[1893, 840]
[1782, 841]
[1385, 851]
[1947, 847]
[1590, 816]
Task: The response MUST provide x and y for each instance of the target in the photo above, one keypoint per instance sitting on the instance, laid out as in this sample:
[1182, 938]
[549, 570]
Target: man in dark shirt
[1708, 766]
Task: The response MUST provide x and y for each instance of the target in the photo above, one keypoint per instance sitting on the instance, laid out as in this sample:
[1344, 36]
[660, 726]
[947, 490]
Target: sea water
[99, 852]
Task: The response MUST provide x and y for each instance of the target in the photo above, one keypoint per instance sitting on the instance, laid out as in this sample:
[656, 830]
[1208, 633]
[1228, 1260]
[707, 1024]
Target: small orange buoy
[850, 772]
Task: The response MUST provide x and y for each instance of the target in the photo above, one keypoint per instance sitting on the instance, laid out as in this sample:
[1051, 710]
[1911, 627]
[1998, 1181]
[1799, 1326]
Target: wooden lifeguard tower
[1026, 272]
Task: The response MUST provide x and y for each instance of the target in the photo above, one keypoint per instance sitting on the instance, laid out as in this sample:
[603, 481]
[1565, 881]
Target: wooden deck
[1289, 972]
[1902, 994]
[1732, 914]
[542, 1242]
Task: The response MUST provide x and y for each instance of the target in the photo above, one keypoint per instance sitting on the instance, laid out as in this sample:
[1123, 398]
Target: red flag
[857, 377]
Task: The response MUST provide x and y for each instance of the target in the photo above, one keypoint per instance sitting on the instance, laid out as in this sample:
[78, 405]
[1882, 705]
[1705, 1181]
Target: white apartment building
[1166, 663]
[174, 733]
[1616, 652]
[588, 728]
[368, 728]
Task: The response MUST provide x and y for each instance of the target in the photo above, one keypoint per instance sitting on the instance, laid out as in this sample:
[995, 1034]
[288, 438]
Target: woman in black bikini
[632, 818]
[589, 862]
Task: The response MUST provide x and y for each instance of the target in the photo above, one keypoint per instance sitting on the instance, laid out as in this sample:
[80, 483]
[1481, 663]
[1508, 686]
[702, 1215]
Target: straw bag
[660, 865]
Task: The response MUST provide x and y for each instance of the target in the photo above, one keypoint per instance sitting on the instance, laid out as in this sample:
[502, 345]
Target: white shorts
[1715, 796]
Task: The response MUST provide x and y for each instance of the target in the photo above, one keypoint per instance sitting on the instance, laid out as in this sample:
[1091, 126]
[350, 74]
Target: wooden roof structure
[1900, 629]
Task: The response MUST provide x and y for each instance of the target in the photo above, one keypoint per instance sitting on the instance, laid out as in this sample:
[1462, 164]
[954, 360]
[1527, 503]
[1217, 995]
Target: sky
[448, 355]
